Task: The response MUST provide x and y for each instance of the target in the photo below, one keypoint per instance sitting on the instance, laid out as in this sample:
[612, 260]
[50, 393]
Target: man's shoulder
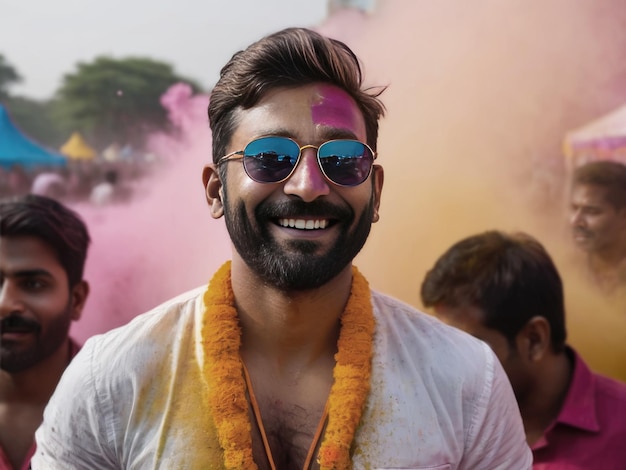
[405, 327]
[610, 389]
[594, 399]
[604, 387]
[153, 330]
[391, 312]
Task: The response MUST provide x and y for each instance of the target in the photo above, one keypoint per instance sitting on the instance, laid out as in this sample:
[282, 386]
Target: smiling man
[43, 246]
[598, 221]
[287, 359]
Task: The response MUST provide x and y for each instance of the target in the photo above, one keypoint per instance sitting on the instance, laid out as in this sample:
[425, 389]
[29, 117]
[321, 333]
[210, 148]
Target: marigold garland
[227, 390]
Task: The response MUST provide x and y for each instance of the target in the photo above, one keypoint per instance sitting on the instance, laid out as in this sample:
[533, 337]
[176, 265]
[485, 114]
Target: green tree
[8, 76]
[43, 121]
[117, 100]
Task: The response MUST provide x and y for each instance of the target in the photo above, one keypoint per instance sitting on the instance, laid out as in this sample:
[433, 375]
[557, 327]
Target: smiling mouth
[302, 224]
[580, 235]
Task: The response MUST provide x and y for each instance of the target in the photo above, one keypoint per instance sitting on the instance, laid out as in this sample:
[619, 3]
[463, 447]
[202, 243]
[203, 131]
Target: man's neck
[288, 327]
[542, 404]
[36, 384]
[608, 270]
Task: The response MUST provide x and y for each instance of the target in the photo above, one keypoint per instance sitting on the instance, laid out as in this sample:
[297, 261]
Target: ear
[378, 176]
[213, 190]
[79, 294]
[533, 341]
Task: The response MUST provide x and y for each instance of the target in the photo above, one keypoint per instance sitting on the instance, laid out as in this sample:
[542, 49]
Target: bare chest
[288, 420]
[287, 431]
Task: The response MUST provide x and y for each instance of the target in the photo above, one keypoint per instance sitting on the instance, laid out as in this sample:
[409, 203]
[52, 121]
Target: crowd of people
[287, 358]
[94, 181]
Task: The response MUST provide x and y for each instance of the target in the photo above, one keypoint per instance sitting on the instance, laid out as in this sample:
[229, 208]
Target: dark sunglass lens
[270, 159]
[346, 162]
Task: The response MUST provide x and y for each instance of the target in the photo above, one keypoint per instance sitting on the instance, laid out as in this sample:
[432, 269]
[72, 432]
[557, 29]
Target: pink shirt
[4, 459]
[590, 431]
[6, 465]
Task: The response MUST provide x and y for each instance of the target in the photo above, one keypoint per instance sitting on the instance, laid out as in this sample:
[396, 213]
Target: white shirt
[48, 184]
[102, 194]
[135, 398]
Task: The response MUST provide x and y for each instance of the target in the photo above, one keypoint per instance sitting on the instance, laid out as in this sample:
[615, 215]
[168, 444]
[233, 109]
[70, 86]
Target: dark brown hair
[57, 226]
[606, 174]
[291, 57]
[511, 278]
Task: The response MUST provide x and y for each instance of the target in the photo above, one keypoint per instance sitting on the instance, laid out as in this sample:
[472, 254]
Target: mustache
[298, 208]
[19, 323]
[582, 231]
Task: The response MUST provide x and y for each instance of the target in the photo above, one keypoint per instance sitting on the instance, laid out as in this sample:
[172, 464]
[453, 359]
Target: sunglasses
[273, 160]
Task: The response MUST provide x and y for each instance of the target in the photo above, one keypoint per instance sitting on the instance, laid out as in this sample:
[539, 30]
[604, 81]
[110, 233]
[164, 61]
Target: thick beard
[296, 268]
[46, 343]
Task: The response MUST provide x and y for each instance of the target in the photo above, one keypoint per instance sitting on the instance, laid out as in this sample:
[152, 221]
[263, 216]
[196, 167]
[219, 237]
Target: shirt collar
[579, 408]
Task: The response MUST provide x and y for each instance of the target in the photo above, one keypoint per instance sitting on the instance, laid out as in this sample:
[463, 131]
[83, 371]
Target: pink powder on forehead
[334, 108]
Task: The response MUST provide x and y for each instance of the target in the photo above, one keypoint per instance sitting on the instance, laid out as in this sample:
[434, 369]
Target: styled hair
[511, 278]
[289, 58]
[57, 226]
[610, 175]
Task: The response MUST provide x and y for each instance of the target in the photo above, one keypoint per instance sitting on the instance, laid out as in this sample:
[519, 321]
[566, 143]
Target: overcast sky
[44, 39]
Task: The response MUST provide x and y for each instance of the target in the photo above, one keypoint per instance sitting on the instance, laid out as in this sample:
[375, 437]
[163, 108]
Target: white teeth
[302, 224]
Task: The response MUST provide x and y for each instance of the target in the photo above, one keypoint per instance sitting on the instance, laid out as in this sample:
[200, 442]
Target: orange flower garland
[227, 390]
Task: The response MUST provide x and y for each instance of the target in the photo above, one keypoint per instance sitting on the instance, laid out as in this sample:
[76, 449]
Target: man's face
[596, 225]
[36, 305]
[470, 319]
[331, 222]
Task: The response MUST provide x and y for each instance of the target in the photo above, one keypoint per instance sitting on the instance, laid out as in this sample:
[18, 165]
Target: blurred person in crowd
[104, 192]
[598, 221]
[111, 190]
[4, 182]
[287, 359]
[18, 181]
[505, 290]
[43, 246]
[49, 183]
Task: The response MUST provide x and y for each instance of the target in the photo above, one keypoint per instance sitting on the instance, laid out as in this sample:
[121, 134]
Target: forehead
[588, 194]
[28, 253]
[309, 113]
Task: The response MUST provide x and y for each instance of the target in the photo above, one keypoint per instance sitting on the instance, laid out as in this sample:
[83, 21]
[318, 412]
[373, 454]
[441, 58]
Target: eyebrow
[331, 133]
[22, 273]
[328, 133]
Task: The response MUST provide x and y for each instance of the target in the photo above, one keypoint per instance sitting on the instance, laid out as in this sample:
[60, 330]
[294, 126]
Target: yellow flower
[223, 371]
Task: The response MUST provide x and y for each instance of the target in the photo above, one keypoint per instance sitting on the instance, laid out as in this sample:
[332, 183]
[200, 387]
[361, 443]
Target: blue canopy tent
[17, 149]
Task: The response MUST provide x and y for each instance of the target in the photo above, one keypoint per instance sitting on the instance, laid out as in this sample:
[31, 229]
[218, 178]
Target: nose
[10, 302]
[576, 219]
[307, 180]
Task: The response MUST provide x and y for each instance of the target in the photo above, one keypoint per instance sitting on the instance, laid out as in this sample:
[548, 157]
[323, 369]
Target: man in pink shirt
[505, 290]
[43, 246]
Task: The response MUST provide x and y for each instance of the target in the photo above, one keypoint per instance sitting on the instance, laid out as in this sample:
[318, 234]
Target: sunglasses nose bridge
[307, 179]
[315, 148]
[304, 147]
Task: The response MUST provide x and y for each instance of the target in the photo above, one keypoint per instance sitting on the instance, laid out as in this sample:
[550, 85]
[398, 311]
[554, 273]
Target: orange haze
[480, 96]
